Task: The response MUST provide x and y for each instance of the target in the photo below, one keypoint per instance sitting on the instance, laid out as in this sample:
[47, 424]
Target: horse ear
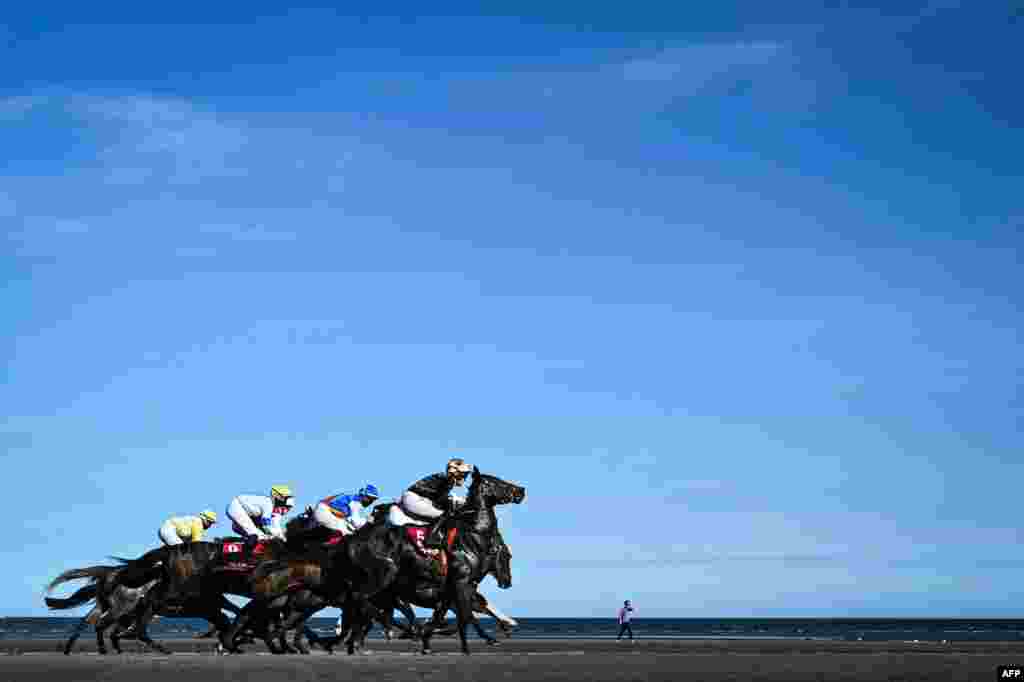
[476, 472]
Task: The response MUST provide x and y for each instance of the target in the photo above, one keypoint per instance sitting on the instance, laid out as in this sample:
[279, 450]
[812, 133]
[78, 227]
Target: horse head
[503, 567]
[491, 490]
[380, 512]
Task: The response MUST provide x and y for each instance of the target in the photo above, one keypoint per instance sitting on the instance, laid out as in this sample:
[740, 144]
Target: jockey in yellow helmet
[180, 529]
[255, 517]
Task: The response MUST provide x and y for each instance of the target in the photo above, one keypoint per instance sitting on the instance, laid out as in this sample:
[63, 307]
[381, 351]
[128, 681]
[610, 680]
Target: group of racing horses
[369, 575]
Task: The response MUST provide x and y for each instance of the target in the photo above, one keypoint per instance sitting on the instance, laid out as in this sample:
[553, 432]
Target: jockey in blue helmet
[345, 514]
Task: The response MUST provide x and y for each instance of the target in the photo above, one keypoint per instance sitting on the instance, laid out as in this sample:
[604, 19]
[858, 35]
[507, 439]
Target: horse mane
[265, 568]
[137, 572]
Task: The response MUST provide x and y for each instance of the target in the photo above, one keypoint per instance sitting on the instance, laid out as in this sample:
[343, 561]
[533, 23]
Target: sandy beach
[527, 661]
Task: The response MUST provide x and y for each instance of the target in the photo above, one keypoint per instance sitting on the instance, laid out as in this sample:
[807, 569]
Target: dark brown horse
[116, 606]
[199, 574]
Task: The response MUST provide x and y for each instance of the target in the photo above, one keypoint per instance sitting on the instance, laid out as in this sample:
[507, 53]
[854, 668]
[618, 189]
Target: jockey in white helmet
[429, 498]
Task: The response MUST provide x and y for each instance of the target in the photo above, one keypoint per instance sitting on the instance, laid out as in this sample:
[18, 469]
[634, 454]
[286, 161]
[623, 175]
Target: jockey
[256, 517]
[178, 530]
[345, 514]
[428, 499]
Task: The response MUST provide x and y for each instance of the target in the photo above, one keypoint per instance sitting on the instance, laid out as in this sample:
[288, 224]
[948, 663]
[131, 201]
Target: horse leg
[218, 621]
[113, 631]
[115, 636]
[227, 637]
[209, 633]
[77, 632]
[298, 641]
[295, 628]
[269, 614]
[379, 577]
[142, 625]
[101, 645]
[505, 623]
[271, 633]
[365, 613]
[285, 617]
[281, 638]
[314, 603]
[328, 643]
[359, 623]
[410, 616]
[436, 619]
[491, 641]
[298, 625]
[102, 625]
[464, 612]
[480, 605]
[384, 617]
[311, 637]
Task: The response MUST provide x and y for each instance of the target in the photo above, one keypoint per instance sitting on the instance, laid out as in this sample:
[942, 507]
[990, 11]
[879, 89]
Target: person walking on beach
[625, 615]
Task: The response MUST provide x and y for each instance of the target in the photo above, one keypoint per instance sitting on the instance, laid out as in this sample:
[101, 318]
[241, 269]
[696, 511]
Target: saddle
[434, 544]
[314, 536]
[239, 555]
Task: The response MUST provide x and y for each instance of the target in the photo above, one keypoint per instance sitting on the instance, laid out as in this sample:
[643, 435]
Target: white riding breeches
[326, 518]
[169, 534]
[242, 521]
[419, 506]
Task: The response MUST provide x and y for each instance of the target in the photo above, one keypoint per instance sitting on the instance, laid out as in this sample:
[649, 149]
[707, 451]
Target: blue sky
[733, 291]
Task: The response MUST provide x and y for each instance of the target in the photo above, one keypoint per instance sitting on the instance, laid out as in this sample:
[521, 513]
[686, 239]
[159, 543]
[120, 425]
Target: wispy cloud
[248, 233]
[13, 108]
[668, 560]
[690, 67]
[167, 137]
[151, 167]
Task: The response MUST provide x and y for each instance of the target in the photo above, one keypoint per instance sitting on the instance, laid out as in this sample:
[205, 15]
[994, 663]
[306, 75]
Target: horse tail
[83, 595]
[93, 573]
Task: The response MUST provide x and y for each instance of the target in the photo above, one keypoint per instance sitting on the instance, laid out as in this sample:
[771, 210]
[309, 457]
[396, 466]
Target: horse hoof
[493, 642]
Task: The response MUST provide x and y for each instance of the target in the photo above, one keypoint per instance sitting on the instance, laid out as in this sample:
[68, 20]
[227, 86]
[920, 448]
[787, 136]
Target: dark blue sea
[846, 629]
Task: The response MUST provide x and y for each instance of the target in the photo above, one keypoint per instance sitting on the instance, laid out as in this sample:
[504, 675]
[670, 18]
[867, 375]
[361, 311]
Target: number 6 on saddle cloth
[240, 555]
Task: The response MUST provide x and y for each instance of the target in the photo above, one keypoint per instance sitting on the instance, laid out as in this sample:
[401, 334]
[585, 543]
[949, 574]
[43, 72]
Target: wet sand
[525, 660]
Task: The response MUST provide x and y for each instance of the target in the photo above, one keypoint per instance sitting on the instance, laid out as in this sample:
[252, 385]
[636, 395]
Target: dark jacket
[435, 488]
